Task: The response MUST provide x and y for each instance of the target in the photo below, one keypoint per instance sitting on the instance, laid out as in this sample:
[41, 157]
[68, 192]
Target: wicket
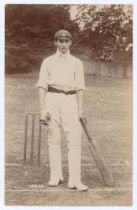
[33, 117]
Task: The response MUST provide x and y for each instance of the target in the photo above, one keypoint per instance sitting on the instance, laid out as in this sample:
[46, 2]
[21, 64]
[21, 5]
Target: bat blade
[99, 160]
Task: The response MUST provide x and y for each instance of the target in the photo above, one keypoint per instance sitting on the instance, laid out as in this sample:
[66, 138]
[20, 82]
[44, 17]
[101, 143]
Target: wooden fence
[21, 60]
[108, 69]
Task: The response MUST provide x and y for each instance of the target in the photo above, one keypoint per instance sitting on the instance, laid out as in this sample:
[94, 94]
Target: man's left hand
[80, 114]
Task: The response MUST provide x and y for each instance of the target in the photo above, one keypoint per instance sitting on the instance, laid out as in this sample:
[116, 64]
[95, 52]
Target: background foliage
[99, 32]
[105, 28]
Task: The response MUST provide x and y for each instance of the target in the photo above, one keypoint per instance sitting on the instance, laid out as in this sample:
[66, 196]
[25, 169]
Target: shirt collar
[61, 55]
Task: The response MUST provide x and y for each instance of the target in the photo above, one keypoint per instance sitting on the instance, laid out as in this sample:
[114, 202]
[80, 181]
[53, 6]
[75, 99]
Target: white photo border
[2, 94]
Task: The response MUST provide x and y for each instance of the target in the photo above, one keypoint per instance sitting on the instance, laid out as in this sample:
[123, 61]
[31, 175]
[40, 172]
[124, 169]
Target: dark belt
[54, 90]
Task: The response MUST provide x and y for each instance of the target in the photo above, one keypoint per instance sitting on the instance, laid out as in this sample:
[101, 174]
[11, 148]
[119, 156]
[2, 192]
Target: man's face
[63, 45]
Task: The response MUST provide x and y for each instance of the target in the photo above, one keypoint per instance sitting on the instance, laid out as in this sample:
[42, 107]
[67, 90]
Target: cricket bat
[99, 160]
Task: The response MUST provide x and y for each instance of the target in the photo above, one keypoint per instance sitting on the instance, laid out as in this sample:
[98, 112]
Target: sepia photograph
[68, 105]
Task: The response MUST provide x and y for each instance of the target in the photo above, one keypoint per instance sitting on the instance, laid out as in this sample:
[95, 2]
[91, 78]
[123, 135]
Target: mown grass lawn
[108, 109]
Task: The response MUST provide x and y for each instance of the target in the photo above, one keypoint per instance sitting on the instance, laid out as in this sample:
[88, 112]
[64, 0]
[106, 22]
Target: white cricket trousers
[64, 112]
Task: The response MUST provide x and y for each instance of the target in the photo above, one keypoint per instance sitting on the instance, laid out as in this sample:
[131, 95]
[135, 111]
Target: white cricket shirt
[62, 71]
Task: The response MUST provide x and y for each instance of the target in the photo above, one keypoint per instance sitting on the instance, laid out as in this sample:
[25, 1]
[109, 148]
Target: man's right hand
[45, 117]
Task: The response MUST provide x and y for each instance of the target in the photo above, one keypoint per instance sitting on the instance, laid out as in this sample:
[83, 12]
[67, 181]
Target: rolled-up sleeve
[79, 77]
[43, 75]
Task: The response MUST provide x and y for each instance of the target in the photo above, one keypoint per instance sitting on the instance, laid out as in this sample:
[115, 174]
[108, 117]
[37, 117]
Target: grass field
[107, 107]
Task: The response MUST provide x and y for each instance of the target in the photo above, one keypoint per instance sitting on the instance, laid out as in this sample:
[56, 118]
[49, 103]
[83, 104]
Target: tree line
[98, 29]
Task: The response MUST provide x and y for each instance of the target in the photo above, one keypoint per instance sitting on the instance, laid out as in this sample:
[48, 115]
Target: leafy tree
[105, 28]
[29, 30]
[36, 24]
